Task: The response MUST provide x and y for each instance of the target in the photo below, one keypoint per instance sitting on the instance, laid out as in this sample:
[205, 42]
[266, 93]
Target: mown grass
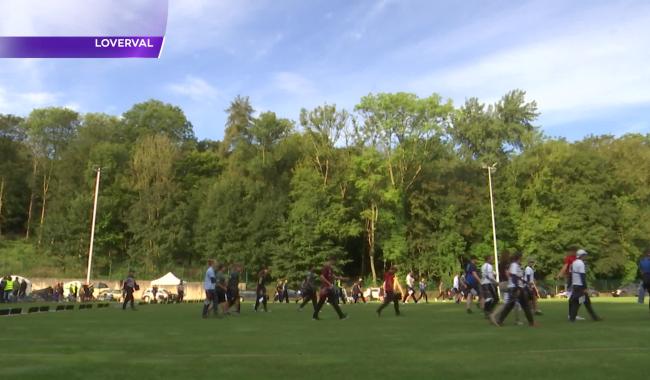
[434, 341]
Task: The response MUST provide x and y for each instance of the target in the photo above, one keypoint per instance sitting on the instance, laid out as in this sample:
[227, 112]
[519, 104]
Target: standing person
[389, 292]
[128, 288]
[342, 295]
[455, 290]
[472, 281]
[308, 290]
[489, 286]
[220, 290]
[9, 289]
[516, 294]
[180, 289]
[233, 289]
[278, 291]
[410, 288]
[327, 290]
[529, 279]
[442, 293]
[285, 291]
[209, 284]
[260, 291]
[644, 268]
[357, 291]
[565, 272]
[579, 294]
[23, 289]
[423, 289]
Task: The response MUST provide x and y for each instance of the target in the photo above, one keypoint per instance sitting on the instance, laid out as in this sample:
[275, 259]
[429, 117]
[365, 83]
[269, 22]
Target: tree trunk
[370, 227]
[2, 193]
[31, 199]
[46, 187]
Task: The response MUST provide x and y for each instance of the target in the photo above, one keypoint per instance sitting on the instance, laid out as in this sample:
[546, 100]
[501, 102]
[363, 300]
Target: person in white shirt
[529, 279]
[455, 289]
[209, 284]
[489, 286]
[516, 294]
[410, 288]
[579, 295]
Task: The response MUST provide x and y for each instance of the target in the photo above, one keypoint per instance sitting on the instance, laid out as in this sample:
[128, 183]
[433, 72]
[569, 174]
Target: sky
[585, 62]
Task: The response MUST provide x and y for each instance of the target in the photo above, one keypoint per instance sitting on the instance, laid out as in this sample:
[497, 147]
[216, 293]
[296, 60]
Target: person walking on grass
[579, 294]
[209, 284]
[232, 294]
[456, 289]
[423, 290]
[308, 290]
[220, 290]
[565, 273]
[529, 279]
[357, 291]
[260, 291]
[644, 268]
[389, 292]
[180, 289]
[489, 286]
[128, 288]
[516, 293]
[327, 290]
[410, 288]
[472, 281]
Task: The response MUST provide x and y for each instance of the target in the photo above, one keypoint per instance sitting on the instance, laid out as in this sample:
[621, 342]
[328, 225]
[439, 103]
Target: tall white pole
[494, 227]
[92, 228]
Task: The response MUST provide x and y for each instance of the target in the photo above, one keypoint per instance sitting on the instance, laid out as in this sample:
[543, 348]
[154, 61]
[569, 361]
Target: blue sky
[586, 63]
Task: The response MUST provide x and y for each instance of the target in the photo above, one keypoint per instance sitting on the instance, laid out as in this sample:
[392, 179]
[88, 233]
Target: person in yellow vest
[9, 289]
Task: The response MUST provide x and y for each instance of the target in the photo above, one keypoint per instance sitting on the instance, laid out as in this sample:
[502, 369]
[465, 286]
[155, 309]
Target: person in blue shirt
[473, 281]
[644, 268]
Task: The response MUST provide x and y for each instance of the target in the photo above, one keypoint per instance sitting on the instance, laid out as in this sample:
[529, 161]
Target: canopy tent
[167, 280]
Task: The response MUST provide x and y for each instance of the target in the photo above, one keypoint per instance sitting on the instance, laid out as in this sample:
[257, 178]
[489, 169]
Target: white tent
[167, 280]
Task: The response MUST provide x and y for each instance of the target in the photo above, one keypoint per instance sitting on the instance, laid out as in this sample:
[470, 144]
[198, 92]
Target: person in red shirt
[389, 292]
[327, 291]
[565, 273]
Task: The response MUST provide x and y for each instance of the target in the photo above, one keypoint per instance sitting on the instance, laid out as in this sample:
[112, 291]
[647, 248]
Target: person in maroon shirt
[389, 292]
[327, 292]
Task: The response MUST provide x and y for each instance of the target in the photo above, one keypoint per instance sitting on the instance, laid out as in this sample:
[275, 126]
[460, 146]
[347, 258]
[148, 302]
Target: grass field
[434, 341]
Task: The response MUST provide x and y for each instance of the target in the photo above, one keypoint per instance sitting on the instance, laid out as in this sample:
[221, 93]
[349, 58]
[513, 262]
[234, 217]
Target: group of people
[12, 290]
[474, 283]
[222, 292]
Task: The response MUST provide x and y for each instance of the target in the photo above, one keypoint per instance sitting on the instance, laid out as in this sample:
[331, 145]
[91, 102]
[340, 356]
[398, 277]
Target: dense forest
[398, 179]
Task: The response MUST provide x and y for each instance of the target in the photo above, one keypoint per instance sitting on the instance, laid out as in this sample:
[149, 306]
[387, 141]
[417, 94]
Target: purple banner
[80, 47]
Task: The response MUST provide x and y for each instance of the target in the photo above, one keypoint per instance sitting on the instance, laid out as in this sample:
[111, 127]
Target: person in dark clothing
[260, 291]
[516, 293]
[233, 289]
[579, 293]
[644, 268]
[423, 290]
[308, 290]
[473, 282]
[328, 291]
[285, 291]
[180, 289]
[389, 292]
[129, 287]
[357, 291]
[23, 289]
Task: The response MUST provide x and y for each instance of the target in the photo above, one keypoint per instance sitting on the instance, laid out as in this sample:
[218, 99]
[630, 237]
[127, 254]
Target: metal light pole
[494, 227]
[92, 228]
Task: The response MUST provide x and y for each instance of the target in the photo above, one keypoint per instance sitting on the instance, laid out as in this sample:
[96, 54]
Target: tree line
[399, 179]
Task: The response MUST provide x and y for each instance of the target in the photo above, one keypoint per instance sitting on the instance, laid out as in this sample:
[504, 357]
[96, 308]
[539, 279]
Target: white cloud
[21, 103]
[293, 84]
[194, 88]
[600, 63]
[82, 17]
